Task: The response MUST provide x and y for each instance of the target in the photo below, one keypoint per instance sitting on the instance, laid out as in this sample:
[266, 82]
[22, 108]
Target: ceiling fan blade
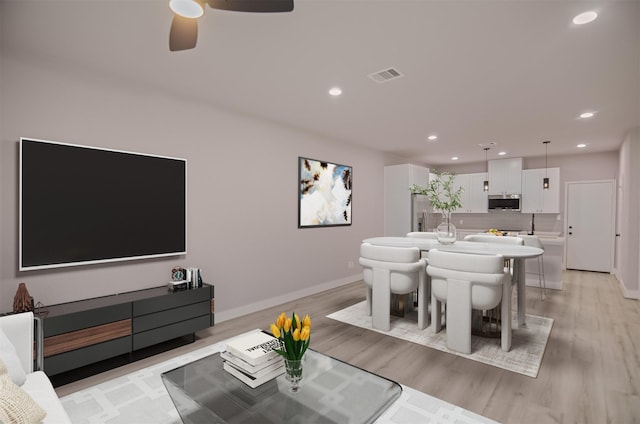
[258, 6]
[184, 33]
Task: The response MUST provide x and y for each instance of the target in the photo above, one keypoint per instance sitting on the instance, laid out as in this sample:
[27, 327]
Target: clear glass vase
[446, 230]
[293, 369]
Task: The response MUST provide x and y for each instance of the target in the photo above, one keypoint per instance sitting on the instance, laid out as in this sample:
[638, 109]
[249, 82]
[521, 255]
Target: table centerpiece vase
[446, 231]
[445, 198]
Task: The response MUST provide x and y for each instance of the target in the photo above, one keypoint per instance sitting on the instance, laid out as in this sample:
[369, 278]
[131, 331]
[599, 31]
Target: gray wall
[579, 167]
[242, 189]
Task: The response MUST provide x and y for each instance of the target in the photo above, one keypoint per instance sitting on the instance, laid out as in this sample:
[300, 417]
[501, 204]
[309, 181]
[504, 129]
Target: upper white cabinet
[505, 176]
[474, 198]
[397, 197]
[534, 198]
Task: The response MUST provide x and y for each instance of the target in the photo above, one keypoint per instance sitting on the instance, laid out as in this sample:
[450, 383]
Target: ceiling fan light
[187, 8]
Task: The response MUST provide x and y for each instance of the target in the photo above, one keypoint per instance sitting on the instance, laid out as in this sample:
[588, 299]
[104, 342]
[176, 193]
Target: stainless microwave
[504, 202]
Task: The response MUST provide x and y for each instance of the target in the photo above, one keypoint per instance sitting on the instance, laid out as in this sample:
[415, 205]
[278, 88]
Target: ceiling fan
[184, 27]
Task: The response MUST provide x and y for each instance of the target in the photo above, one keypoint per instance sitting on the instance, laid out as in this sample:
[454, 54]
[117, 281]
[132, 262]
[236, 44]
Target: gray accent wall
[242, 188]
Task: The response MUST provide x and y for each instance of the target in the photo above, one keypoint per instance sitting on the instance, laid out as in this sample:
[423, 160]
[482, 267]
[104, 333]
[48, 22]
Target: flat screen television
[83, 205]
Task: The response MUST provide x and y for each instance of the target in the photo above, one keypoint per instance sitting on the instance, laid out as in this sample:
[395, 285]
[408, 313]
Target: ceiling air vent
[385, 75]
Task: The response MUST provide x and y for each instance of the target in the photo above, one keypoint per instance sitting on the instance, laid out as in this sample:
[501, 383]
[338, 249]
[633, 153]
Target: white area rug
[140, 398]
[527, 347]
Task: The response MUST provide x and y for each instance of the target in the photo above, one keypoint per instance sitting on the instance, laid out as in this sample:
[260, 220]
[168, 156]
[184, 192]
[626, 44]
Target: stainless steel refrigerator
[420, 210]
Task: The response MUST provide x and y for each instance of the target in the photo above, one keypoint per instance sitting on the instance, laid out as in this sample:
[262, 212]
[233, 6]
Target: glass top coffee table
[331, 391]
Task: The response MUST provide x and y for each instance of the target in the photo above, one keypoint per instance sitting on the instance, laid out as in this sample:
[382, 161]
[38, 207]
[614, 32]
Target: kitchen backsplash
[509, 221]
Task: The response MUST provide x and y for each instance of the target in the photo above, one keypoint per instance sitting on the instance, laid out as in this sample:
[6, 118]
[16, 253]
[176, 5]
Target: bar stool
[534, 241]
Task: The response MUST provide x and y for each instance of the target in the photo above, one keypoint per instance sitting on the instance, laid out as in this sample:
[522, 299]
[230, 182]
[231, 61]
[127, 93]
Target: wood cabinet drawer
[168, 332]
[170, 316]
[77, 358]
[85, 319]
[171, 300]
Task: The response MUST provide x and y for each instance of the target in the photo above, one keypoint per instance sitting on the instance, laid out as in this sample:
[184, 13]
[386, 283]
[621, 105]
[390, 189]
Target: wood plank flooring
[590, 372]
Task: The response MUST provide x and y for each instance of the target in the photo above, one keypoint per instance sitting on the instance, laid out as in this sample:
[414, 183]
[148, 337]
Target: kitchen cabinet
[505, 176]
[397, 197]
[474, 198]
[534, 198]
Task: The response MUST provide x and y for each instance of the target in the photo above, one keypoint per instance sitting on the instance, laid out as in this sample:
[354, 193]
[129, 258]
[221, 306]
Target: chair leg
[459, 315]
[543, 283]
[381, 300]
[423, 302]
[436, 314]
[368, 305]
[505, 318]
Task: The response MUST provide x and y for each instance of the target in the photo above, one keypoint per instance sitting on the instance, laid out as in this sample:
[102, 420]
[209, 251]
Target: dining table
[518, 253]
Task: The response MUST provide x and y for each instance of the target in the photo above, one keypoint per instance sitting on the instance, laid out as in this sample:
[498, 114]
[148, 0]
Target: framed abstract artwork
[324, 193]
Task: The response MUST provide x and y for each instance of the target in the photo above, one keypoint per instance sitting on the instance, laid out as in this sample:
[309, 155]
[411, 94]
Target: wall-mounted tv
[84, 205]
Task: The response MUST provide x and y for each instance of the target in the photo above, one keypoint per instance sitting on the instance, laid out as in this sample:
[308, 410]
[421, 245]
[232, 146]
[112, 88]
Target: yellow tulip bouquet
[294, 335]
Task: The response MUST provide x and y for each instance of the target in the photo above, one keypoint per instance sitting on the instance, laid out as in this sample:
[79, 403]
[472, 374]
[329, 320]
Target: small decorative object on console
[178, 273]
[294, 335]
[22, 302]
[178, 279]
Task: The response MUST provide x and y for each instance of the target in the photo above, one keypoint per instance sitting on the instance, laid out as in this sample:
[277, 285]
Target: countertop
[546, 237]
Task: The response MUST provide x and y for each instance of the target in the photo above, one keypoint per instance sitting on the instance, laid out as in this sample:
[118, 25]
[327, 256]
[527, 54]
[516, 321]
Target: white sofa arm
[19, 328]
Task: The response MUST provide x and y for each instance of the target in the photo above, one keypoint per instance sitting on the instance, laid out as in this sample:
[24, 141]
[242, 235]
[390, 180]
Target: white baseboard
[288, 297]
[628, 294]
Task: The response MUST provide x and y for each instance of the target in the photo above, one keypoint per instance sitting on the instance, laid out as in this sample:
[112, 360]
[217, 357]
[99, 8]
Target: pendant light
[486, 178]
[545, 180]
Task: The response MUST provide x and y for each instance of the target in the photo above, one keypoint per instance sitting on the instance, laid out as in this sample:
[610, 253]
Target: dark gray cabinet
[88, 331]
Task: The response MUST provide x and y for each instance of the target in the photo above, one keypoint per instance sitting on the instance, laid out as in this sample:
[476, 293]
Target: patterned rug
[140, 398]
[527, 347]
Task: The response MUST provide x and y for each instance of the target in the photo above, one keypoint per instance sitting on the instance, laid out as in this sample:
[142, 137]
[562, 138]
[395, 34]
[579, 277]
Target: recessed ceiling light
[335, 91]
[585, 18]
[581, 145]
[502, 153]
[433, 137]
[455, 158]
[587, 115]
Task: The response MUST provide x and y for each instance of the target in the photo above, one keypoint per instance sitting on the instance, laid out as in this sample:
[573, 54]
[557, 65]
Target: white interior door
[590, 225]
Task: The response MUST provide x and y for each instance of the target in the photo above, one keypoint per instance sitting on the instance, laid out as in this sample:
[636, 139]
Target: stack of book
[252, 360]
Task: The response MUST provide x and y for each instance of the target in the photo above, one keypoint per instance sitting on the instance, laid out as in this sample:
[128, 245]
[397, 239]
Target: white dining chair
[465, 281]
[397, 270]
[429, 235]
[423, 234]
[534, 241]
[492, 238]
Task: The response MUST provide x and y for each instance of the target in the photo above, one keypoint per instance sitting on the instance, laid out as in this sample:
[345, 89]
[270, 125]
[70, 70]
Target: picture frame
[324, 193]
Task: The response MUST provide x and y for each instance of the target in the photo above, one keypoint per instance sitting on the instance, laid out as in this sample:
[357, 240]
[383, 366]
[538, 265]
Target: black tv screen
[85, 205]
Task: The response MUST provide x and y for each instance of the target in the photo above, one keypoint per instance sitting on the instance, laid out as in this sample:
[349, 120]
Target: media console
[84, 332]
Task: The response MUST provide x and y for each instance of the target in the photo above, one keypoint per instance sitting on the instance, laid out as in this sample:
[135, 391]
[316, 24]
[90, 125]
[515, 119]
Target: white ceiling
[513, 72]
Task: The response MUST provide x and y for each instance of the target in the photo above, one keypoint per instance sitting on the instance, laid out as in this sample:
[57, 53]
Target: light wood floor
[590, 372]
